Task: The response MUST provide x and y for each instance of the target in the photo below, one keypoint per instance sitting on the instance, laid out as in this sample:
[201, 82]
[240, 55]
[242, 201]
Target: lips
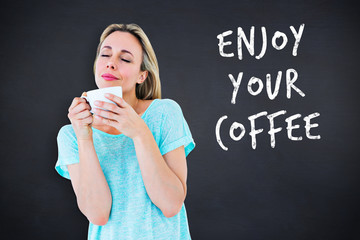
[109, 77]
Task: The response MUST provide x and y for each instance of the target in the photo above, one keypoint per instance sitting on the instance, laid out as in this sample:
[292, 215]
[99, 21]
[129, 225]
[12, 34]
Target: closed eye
[123, 59]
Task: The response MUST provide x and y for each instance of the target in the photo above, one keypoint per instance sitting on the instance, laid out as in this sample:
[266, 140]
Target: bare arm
[164, 176]
[90, 186]
[87, 178]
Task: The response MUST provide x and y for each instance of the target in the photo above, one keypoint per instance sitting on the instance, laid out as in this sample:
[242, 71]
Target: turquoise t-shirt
[133, 215]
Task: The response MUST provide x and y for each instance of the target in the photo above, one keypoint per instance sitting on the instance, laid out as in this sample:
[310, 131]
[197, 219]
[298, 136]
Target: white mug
[99, 95]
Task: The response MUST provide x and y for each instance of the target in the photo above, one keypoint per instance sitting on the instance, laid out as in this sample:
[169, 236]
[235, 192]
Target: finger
[80, 107]
[106, 114]
[108, 106]
[96, 121]
[88, 120]
[118, 100]
[106, 121]
[82, 115]
[75, 102]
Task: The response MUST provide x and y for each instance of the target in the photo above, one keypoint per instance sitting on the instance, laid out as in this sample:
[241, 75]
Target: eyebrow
[123, 50]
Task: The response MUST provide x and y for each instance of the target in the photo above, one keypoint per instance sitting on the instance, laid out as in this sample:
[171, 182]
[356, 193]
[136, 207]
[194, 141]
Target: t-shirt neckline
[118, 135]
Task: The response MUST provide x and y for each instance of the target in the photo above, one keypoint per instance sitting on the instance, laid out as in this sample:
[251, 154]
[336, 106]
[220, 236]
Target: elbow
[96, 216]
[99, 220]
[170, 214]
[173, 210]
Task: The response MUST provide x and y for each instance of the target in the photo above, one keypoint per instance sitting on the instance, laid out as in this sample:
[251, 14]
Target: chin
[108, 84]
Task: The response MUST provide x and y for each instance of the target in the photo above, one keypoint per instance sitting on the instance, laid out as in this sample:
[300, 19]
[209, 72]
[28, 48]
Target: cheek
[97, 71]
[98, 66]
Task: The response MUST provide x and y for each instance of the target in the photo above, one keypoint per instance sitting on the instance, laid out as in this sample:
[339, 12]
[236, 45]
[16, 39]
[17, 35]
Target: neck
[131, 100]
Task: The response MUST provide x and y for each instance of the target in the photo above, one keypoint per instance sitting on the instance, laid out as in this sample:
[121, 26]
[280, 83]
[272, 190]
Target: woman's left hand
[120, 116]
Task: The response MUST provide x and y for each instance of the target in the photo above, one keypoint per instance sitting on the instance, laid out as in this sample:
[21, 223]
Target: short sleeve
[67, 150]
[175, 131]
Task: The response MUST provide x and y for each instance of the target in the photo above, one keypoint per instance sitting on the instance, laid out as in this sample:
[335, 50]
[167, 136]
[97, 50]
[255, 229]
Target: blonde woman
[127, 165]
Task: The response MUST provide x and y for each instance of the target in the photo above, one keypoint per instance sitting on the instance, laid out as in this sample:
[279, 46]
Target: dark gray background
[298, 190]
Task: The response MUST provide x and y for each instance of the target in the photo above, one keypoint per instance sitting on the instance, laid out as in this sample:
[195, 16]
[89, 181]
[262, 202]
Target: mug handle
[84, 96]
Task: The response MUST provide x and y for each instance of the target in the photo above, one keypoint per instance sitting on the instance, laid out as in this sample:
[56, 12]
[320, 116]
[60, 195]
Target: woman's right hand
[81, 118]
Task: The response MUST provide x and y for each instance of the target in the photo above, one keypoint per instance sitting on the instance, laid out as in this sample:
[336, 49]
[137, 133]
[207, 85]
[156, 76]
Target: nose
[111, 65]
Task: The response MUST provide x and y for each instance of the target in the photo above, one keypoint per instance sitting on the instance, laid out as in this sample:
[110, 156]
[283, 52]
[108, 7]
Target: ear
[143, 75]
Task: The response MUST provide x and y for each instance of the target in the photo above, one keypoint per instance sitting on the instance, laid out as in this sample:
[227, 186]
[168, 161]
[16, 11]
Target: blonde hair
[151, 87]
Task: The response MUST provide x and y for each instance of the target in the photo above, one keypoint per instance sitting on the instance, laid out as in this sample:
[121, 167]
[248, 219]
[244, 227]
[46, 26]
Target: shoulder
[163, 109]
[66, 131]
[68, 128]
[168, 105]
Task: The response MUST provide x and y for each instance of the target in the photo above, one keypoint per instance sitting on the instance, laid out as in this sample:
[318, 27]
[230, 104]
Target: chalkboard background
[305, 189]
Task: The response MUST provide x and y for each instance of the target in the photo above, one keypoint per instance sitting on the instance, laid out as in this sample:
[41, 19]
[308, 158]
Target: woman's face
[118, 63]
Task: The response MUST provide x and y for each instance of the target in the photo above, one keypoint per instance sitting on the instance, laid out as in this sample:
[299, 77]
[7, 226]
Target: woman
[127, 165]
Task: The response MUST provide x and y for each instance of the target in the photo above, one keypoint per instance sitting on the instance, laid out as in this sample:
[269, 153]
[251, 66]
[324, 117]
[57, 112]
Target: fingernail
[97, 102]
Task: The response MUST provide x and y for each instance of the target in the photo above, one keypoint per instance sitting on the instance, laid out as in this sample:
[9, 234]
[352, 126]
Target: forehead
[123, 41]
